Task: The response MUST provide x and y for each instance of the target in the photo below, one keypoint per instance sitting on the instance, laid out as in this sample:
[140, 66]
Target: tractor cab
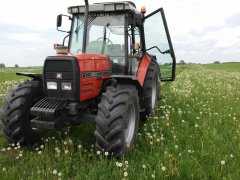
[121, 32]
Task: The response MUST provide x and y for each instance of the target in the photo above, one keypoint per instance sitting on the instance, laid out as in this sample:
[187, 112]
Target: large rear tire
[117, 121]
[151, 91]
[16, 112]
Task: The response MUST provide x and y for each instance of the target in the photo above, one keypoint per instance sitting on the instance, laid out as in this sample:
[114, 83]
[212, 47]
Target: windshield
[105, 35]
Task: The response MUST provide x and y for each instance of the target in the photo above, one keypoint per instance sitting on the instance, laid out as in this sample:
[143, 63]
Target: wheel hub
[130, 124]
[154, 94]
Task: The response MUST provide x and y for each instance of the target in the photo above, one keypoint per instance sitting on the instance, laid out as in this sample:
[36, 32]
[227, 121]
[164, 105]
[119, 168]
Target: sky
[202, 31]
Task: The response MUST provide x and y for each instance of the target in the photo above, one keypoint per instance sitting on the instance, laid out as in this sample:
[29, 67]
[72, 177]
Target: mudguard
[31, 75]
[142, 69]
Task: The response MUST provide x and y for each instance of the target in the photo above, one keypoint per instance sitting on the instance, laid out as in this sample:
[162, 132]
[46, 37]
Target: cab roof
[105, 7]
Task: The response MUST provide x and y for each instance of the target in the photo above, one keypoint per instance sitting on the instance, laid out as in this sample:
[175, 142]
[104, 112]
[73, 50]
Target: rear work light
[67, 86]
[52, 85]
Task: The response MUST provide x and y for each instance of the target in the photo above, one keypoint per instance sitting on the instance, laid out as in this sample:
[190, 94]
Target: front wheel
[117, 121]
[16, 112]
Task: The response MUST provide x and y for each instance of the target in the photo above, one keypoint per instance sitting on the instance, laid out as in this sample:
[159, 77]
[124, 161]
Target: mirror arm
[65, 38]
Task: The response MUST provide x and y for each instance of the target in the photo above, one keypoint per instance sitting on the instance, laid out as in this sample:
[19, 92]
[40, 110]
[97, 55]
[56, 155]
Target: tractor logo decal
[95, 74]
[59, 75]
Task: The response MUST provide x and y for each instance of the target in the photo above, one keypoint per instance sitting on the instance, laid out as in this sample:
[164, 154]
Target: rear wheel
[117, 120]
[16, 112]
[151, 88]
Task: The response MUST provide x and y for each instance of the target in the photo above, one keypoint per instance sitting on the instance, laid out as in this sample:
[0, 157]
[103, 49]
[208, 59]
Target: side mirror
[59, 20]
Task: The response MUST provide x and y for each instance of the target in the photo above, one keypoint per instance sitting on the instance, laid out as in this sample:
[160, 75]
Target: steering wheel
[108, 40]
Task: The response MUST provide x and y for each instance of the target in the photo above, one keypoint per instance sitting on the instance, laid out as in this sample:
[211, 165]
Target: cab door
[159, 45]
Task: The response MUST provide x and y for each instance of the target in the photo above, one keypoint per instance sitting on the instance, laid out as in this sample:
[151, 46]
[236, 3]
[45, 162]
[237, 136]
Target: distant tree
[216, 62]
[16, 66]
[182, 62]
[2, 65]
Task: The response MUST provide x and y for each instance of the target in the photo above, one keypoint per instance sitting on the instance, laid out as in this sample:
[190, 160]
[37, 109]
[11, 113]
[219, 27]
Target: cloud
[25, 37]
[233, 20]
[23, 55]
[201, 30]
[26, 47]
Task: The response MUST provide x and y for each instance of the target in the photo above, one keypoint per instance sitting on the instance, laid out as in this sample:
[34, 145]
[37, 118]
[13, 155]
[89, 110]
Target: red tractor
[109, 73]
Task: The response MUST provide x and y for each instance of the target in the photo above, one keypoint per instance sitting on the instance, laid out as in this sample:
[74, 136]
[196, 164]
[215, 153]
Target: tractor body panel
[85, 73]
[94, 69]
[142, 69]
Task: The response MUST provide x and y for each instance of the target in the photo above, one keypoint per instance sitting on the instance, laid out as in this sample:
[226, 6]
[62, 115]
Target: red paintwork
[90, 87]
[142, 69]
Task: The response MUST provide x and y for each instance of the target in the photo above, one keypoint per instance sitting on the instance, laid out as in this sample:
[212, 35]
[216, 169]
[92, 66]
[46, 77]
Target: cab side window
[134, 49]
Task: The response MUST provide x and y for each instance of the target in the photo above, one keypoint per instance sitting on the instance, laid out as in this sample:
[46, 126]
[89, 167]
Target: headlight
[52, 85]
[67, 86]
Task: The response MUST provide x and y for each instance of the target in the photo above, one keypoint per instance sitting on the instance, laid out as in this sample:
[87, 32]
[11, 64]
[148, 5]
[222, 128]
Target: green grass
[7, 74]
[230, 67]
[194, 135]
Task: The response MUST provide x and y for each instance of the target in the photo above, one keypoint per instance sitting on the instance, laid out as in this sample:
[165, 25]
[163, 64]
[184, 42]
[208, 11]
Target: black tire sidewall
[133, 99]
[150, 78]
[25, 94]
[112, 114]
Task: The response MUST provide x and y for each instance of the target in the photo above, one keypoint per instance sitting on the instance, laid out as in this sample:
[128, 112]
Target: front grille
[48, 107]
[62, 69]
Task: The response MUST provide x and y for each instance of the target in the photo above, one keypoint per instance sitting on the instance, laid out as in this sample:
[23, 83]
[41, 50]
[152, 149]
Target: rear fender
[142, 69]
[125, 79]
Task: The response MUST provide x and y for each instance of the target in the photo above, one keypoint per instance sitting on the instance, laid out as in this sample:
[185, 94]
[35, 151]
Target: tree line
[2, 65]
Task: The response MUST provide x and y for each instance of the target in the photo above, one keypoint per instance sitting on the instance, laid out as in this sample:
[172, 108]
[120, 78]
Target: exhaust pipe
[85, 26]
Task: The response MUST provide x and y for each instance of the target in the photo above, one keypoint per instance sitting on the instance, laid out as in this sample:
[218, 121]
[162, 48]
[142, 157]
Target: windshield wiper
[81, 25]
[78, 28]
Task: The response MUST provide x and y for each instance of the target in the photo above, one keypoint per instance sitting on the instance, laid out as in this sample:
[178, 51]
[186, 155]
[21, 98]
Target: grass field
[194, 135]
[230, 67]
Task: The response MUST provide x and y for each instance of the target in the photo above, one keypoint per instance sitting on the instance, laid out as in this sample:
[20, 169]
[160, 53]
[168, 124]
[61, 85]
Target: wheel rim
[154, 93]
[130, 124]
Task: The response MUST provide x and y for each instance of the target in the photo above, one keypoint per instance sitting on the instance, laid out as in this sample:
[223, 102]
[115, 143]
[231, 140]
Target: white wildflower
[54, 171]
[163, 168]
[119, 164]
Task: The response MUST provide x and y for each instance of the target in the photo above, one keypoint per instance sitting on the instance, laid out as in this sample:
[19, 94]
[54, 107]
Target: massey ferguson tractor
[109, 72]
